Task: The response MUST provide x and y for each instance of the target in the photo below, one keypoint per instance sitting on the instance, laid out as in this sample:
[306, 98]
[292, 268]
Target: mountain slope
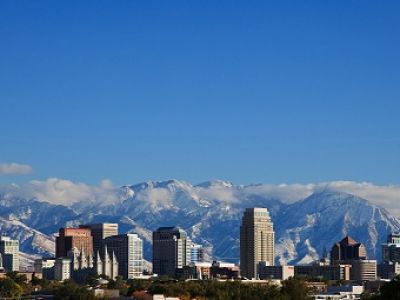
[306, 227]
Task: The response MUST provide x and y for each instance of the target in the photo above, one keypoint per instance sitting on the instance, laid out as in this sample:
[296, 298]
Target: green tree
[18, 278]
[295, 289]
[9, 288]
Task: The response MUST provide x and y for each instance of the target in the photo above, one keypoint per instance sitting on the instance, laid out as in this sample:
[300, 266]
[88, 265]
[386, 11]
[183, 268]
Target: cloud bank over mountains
[66, 192]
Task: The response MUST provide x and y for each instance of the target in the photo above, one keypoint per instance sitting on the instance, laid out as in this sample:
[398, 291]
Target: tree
[391, 290]
[295, 289]
[18, 278]
[9, 288]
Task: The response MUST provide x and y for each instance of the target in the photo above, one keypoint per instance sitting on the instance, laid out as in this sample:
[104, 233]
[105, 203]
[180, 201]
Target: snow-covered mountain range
[210, 212]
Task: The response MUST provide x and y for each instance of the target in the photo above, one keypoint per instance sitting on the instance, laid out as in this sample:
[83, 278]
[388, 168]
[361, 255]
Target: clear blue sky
[249, 91]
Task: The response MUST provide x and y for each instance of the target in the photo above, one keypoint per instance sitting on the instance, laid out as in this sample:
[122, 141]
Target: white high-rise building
[256, 241]
[9, 250]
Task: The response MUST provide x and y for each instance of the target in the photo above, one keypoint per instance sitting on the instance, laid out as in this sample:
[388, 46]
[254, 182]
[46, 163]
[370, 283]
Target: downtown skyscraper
[171, 250]
[256, 241]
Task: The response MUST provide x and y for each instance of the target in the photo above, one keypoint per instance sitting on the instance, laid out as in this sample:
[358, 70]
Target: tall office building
[347, 250]
[391, 250]
[256, 241]
[69, 238]
[171, 250]
[99, 233]
[128, 249]
[9, 250]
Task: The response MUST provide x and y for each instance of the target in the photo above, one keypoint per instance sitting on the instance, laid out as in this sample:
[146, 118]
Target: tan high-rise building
[256, 241]
[79, 238]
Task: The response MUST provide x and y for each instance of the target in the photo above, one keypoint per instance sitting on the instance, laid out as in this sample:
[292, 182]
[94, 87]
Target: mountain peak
[215, 183]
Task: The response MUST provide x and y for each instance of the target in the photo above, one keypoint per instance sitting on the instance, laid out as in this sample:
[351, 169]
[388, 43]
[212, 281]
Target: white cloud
[15, 168]
[156, 196]
[221, 193]
[66, 192]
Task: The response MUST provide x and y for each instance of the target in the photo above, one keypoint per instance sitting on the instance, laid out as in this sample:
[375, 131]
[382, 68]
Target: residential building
[391, 250]
[346, 250]
[256, 241]
[99, 232]
[363, 270]
[45, 266]
[9, 250]
[171, 250]
[275, 272]
[69, 238]
[128, 249]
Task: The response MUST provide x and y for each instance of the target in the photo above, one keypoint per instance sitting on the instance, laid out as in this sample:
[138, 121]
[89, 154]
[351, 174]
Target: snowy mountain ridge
[211, 213]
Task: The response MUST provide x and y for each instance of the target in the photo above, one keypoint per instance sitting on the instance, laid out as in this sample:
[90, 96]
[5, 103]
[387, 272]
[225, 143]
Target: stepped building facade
[256, 241]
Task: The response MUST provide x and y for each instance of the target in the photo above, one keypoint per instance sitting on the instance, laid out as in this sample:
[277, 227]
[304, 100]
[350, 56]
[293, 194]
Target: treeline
[292, 289]
[15, 286]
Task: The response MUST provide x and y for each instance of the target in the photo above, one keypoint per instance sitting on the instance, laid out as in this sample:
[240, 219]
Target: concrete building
[391, 250]
[346, 250]
[9, 250]
[275, 272]
[45, 266]
[69, 238]
[363, 270]
[171, 250]
[128, 249]
[62, 269]
[256, 241]
[99, 232]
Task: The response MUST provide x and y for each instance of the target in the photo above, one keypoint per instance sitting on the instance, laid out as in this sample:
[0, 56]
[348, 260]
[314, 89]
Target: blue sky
[249, 91]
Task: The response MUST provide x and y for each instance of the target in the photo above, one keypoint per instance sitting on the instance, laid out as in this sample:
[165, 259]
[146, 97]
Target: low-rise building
[198, 270]
[347, 292]
[275, 272]
[328, 272]
[45, 266]
[224, 270]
